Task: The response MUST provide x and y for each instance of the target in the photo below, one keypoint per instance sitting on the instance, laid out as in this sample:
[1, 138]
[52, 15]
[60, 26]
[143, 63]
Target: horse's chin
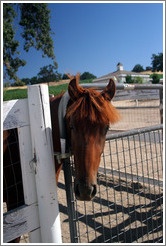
[84, 199]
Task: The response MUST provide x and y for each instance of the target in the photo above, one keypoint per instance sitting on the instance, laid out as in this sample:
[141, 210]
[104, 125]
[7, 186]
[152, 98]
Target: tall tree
[138, 68]
[87, 75]
[48, 74]
[36, 33]
[157, 62]
[10, 61]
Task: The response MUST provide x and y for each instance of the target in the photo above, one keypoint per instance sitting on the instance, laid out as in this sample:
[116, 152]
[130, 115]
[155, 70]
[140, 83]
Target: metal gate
[128, 207]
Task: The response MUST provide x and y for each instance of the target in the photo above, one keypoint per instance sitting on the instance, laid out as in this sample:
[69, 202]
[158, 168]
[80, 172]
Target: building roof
[119, 73]
[116, 74]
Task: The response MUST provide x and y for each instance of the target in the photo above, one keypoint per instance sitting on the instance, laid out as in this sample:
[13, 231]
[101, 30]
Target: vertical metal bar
[101, 210]
[115, 201]
[136, 158]
[161, 104]
[111, 160]
[108, 197]
[161, 155]
[143, 175]
[76, 208]
[134, 150]
[126, 182]
[153, 177]
[147, 167]
[86, 219]
[94, 220]
[120, 186]
[154, 133]
[70, 201]
[132, 187]
[107, 192]
[78, 223]
[124, 159]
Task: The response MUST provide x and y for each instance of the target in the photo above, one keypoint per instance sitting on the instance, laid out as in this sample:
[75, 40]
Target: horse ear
[73, 89]
[109, 92]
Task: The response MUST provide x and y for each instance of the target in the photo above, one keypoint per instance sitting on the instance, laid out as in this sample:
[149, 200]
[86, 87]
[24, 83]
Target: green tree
[138, 80]
[10, 61]
[65, 76]
[7, 84]
[26, 81]
[34, 80]
[129, 79]
[18, 83]
[87, 75]
[59, 76]
[148, 68]
[48, 74]
[157, 62]
[138, 68]
[36, 33]
[155, 78]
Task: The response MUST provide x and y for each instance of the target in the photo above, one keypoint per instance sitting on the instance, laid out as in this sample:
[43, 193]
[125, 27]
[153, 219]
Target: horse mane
[90, 105]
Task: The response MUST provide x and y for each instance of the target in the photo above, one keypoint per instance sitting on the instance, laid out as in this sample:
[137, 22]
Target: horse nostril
[76, 190]
[94, 190]
[84, 192]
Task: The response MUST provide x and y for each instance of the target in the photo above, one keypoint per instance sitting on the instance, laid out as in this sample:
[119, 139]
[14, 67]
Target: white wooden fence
[40, 215]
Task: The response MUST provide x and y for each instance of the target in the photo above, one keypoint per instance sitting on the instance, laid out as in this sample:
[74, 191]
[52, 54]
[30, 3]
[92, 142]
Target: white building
[121, 74]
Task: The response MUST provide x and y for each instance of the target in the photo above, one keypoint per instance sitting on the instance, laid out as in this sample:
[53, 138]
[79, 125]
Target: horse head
[87, 121]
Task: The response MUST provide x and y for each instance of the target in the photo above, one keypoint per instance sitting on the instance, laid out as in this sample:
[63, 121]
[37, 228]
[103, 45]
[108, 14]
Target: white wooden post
[29, 184]
[42, 148]
[24, 219]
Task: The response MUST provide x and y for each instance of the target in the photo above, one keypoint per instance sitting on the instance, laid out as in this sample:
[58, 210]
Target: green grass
[22, 93]
[57, 89]
[14, 94]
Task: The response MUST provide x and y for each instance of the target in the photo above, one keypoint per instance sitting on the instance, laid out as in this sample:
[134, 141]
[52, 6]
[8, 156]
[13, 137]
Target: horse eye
[106, 129]
[71, 127]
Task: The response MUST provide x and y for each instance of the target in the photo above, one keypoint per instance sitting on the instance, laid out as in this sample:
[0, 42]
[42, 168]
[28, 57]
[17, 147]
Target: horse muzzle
[84, 191]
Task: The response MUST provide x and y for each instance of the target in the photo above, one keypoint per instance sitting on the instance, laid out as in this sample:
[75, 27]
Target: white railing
[40, 215]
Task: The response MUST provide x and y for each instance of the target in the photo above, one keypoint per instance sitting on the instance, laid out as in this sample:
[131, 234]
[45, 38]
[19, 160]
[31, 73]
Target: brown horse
[87, 118]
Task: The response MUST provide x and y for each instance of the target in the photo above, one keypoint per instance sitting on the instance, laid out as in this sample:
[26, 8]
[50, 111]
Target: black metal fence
[12, 177]
[128, 205]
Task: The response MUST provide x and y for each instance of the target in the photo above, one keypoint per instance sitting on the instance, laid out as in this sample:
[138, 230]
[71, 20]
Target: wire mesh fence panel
[139, 105]
[12, 177]
[13, 196]
[128, 205]
[137, 114]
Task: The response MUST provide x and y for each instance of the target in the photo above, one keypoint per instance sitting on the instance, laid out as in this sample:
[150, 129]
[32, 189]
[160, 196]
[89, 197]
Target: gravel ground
[123, 210]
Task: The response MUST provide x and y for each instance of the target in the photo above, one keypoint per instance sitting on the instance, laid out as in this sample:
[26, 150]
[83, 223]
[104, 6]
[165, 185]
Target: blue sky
[94, 37]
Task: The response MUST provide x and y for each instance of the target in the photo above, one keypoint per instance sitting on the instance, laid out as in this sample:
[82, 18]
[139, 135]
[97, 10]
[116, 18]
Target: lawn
[22, 93]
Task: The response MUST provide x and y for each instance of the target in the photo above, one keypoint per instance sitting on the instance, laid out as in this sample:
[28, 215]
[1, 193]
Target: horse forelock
[91, 106]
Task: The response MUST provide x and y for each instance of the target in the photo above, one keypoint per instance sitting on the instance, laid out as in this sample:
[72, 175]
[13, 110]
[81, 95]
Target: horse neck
[54, 104]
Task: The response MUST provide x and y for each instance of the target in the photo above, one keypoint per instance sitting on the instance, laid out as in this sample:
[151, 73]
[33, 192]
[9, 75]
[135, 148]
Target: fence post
[70, 201]
[161, 105]
[41, 134]
[29, 184]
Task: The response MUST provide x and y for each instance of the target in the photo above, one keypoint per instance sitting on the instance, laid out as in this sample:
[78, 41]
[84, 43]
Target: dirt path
[66, 81]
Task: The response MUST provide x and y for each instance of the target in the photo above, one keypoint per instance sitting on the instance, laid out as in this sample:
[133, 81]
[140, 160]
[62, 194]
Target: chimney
[119, 66]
